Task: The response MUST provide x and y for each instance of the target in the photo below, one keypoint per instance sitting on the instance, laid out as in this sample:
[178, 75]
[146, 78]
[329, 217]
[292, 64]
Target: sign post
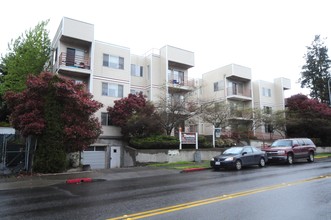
[188, 138]
[216, 134]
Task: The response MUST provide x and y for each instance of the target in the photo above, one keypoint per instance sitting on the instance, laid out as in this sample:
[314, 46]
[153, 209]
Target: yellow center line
[187, 205]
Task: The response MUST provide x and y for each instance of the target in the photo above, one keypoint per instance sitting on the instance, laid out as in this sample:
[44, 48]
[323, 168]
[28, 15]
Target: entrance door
[70, 60]
[115, 157]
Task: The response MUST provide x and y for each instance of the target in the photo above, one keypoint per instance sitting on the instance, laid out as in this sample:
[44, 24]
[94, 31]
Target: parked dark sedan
[237, 157]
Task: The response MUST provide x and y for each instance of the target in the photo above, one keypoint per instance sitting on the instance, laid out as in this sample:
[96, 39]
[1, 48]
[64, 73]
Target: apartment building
[269, 96]
[233, 85]
[111, 72]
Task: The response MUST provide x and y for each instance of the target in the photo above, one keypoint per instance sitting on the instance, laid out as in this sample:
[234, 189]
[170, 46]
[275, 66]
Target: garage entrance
[95, 156]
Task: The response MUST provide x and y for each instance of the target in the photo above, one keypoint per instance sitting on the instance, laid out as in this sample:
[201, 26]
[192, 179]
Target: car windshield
[282, 143]
[233, 150]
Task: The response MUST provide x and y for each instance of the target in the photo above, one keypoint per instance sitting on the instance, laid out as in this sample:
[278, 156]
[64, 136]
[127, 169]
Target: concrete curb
[193, 169]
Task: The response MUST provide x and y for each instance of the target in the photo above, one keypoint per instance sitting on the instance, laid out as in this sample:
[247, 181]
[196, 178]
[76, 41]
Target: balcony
[74, 61]
[239, 94]
[180, 84]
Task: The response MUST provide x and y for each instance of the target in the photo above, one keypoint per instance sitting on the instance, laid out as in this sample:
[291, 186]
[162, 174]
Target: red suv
[288, 150]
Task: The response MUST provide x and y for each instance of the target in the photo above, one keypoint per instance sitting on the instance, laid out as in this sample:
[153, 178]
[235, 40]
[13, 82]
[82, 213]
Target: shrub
[155, 142]
[225, 142]
[50, 159]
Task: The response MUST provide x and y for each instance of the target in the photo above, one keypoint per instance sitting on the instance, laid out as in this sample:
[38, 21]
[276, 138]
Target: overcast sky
[268, 36]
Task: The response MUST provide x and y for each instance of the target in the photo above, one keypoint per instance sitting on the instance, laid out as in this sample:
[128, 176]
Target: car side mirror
[295, 145]
[244, 153]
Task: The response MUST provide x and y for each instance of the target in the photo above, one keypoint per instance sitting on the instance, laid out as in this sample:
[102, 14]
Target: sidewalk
[42, 180]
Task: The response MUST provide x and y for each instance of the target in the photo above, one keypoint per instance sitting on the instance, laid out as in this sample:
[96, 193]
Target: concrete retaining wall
[323, 150]
[133, 157]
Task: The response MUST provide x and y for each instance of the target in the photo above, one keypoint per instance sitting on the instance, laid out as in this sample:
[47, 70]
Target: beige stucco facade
[270, 95]
[111, 72]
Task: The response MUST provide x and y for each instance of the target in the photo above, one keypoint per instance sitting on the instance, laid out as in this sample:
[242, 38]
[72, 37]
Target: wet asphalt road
[300, 191]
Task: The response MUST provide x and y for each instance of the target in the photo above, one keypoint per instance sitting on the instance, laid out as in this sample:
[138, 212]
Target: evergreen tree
[26, 55]
[315, 73]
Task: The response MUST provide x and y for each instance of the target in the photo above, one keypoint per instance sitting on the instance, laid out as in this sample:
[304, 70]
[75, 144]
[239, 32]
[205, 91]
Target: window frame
[137, 70]
[266, 92]
[218, 86]
[105, 121]
[111, 61]
[118, 93]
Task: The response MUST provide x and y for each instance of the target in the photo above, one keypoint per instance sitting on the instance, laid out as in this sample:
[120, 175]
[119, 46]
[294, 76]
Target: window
[193, 128]
[248, 150]
[267, 110]
[113, 90]
[176, 76]
[235, 88]
[113, 61]
[136, 70]
[218, 86]
[268, 128]
[266, 92]
[55, 56]
[135, 92]
[105, 119]
[95, 148]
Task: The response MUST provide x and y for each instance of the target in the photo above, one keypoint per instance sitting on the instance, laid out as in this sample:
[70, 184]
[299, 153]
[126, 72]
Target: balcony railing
[76, 61]
[236, 92]
[181, 82]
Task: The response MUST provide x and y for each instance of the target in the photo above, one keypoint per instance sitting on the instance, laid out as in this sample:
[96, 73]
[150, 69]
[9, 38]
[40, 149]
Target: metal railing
[76, 61]
[231, 92]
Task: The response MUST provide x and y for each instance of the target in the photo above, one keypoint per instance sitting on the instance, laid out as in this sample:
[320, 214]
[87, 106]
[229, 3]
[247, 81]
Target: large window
[136, 70]
[113, 90]
[113, 61]
[105, 119]
[266, 92]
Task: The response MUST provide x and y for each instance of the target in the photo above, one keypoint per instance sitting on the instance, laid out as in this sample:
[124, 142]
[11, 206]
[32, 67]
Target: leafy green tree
[315, 73]
[59, 113]
[26, 55]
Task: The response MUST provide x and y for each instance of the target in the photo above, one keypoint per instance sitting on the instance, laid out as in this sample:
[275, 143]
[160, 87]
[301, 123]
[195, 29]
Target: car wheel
[262, 162]
[238, 165]
[311, 157]
[290, 159]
